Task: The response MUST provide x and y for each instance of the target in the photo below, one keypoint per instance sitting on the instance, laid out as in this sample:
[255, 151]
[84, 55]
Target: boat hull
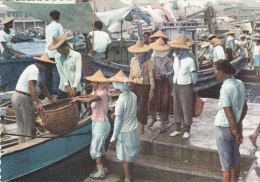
[39, 153]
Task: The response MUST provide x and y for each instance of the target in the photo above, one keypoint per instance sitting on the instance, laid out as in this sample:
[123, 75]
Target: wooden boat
[19, 160]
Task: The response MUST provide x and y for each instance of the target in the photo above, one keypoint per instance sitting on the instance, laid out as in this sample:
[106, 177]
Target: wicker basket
[60, 118]
[9, 115]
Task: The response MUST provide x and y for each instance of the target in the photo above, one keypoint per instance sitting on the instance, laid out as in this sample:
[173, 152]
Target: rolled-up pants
[24, 110]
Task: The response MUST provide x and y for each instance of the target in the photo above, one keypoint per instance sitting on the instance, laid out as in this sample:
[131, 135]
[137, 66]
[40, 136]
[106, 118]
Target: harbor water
[253, 91]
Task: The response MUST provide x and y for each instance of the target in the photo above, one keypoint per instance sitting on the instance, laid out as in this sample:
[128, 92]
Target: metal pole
[94, 9]
[138, 21]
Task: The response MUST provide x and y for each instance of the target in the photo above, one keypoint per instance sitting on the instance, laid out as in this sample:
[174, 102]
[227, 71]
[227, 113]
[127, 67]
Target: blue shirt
[183, 70]
[30, 73]
[4, 37]
[218, 53]
[232, 94]
[53, 29]
[69, 69]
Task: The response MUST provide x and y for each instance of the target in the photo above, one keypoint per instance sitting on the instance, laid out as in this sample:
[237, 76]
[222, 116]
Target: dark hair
[42, 65]
[147, 33]
[225, 66]
[98, 25]
[55, 14]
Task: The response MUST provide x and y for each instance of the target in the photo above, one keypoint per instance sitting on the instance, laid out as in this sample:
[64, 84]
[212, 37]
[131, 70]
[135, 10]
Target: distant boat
[20, 37]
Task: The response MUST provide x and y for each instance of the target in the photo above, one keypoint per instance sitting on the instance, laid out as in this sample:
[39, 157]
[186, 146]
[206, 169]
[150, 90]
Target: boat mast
[93, 23]
[138, 22]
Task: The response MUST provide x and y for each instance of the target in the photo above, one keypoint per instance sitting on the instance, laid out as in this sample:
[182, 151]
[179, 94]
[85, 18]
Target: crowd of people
[161, 81]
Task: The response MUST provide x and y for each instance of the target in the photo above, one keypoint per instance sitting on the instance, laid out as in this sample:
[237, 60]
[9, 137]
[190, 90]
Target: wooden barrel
[60, 118]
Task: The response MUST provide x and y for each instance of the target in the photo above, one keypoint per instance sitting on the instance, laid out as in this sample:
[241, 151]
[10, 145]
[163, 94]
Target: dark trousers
[142, 93]
[64, 95]
[49, 76]
[230, 55]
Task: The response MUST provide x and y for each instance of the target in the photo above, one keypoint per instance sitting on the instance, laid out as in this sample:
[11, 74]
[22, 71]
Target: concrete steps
[157, 169]
[168, 159]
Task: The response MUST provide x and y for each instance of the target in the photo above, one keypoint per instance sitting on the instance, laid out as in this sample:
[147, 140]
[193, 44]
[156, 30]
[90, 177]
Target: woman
[126, 135]
[185, 75]
[99, 99]
[232, 109]
[141, 72]
[256, 56]
[162, 73]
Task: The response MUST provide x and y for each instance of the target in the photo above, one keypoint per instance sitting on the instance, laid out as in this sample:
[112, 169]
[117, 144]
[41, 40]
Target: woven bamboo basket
[60, 118]
[9, 115]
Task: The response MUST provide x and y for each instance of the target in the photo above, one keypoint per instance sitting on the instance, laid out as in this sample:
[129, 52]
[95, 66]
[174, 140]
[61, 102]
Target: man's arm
[89, 44]
[46, 92]
[9, 50]
[32, 89]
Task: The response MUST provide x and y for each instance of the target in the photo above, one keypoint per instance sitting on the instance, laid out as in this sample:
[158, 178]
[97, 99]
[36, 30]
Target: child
[126, 131]
[99, 99]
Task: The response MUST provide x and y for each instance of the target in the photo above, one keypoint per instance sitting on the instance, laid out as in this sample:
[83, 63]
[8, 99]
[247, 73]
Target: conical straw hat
[159, 34]
[57, 41]
[45, 58]
[242, 36]
[182, 42]
[139, 47]
[159, 45]
[231, 32]
[256, 39]
[7, 19]
[237, 25]
[257, 35]
[256, 29]
[97, 77]
[216, 42]
[205, 44]
[120, 77]
[211, 36]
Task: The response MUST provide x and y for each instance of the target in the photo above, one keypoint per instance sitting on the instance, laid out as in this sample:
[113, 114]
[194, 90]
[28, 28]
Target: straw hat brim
[231, 33]
[159, 48]
[58, 44]
[134, 49]
[179, 46]
[94, 78]
[159, 36]
[7, 20]
[210, 36]
[120, 80]
[44, 60]
[206, 44]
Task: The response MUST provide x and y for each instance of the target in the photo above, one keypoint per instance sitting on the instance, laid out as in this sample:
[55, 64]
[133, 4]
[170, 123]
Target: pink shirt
[100, 108]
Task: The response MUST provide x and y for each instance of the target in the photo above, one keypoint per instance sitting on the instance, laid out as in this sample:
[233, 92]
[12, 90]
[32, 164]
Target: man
[69, 65]
[53, 29]
[7, 37]
[101, 40]
[146, 38]
[243, 49]
[237, 31]
[25, 94]
[218, 51]
[230, 45]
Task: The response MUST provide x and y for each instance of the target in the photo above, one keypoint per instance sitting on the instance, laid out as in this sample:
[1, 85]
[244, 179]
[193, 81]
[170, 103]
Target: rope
[63, 136]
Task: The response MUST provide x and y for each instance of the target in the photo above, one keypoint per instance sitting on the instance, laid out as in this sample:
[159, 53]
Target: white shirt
[101, 40]
[4, 37]
[218, 53]
[30, 73]
[69, 69]
[126, 106]
[182, 70]
[53, 29]
[230, 43]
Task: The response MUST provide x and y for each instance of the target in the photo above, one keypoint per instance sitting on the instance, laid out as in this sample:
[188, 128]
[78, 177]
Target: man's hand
[92, 52]
[151, 95]
[53, 100]
[113, 116]
[75, 99]
[73, 92]
[40, 106]
[239, 138]
[113, 142]
[16, 55]
[69, 91]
